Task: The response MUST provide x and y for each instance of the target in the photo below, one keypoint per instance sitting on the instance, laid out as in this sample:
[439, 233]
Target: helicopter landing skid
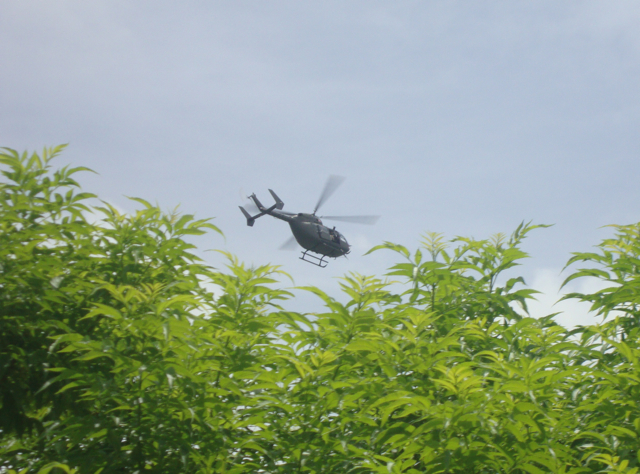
[319, 262]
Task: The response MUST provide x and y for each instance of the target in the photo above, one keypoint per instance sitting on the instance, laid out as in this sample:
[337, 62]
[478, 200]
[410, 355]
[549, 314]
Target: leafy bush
[121, 351]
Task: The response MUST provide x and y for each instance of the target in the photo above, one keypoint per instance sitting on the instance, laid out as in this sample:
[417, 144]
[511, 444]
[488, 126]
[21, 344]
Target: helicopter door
[324, 234]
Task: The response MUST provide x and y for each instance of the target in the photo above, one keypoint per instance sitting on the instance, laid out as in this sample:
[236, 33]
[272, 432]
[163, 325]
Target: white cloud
[572, 312]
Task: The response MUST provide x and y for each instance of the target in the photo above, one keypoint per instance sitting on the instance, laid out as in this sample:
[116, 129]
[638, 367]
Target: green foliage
[617, 264]
[121, 351]
[464, 284]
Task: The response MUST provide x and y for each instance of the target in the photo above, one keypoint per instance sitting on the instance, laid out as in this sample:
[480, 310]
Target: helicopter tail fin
[257, 202]
[250, 220]
[279, 203]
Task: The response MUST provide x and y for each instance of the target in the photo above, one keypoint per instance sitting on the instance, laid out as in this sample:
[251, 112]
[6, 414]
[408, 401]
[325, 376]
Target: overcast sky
[464, 118]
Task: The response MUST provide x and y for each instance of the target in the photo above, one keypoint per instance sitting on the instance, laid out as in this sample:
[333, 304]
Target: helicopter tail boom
[263, 210]
[252, 219]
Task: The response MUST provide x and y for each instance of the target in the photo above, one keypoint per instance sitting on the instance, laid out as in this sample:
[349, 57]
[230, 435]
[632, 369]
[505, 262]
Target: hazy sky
[464, 118]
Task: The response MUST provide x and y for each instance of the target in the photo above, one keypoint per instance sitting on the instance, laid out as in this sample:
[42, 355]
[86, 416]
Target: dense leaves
[121, 351]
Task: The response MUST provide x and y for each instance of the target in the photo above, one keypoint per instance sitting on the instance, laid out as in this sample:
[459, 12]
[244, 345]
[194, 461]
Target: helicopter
[308, 229]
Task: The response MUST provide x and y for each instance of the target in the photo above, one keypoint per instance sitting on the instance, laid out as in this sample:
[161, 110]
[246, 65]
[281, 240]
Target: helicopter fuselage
[312, 235]
[307, 229]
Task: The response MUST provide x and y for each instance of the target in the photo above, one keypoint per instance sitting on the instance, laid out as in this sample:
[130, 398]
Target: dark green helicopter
[308, 230]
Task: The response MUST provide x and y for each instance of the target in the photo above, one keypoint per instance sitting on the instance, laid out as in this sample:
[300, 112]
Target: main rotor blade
[367, 220]
[290, 244]
[248, 204]
[332, 184]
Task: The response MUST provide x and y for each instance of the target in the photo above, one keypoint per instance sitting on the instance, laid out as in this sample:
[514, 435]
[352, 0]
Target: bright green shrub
[117, 356]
